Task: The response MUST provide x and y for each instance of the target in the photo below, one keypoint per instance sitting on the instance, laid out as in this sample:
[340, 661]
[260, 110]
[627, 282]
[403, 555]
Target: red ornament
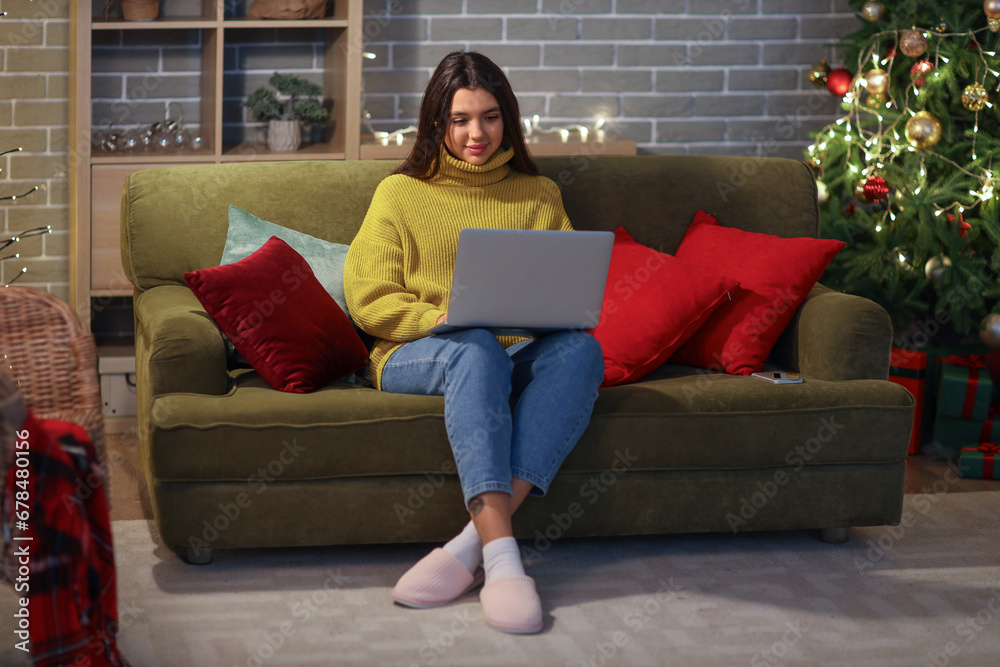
[891, 53]
[919, 69]
[876, 189]
[838, 82]
[963, 226]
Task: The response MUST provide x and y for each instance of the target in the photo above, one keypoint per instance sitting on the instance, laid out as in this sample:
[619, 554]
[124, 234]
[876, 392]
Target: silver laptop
[527, 283]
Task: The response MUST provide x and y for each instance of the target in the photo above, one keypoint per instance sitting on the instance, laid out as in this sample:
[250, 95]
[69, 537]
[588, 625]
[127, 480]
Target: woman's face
[475, 126]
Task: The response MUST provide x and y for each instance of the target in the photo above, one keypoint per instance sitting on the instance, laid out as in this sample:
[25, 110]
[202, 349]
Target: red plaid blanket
[62, 541]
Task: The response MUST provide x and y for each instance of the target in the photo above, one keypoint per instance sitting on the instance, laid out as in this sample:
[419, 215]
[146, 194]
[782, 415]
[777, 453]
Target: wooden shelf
[97, 177]
[179, 23]
[249, 152]
[373, 149]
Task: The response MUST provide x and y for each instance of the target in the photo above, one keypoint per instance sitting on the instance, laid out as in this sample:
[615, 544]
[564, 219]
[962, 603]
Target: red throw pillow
[653, 302]
[775, 276]
[278, 316]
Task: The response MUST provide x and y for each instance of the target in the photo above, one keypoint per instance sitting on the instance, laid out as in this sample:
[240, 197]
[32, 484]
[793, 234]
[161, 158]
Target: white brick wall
[677, 76]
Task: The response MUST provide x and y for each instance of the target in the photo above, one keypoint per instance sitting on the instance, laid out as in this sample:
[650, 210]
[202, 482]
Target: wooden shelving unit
[96, 177]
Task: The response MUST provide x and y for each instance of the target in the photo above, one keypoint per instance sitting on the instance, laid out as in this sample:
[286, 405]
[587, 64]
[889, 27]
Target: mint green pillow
[247, 233]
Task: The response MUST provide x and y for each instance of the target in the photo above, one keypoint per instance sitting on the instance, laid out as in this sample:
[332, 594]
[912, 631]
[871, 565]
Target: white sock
[467, 547]
[502, 559]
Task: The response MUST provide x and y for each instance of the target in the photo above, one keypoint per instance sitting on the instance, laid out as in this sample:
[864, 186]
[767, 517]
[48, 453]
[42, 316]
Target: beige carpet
[924, 593]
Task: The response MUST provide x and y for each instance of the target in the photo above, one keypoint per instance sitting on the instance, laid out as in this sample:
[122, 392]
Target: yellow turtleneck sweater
[397, 276]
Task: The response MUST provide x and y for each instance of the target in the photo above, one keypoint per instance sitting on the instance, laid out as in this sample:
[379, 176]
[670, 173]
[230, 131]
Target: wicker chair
[53, 357]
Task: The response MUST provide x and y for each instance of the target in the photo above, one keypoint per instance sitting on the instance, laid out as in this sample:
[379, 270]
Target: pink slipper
[511, 604]
[437, 579]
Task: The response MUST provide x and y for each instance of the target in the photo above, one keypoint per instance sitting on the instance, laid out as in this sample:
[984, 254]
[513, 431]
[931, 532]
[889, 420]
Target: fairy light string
[868, 135]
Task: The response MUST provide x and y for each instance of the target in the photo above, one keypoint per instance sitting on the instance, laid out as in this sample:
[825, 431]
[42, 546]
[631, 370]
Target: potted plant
[136, 10]
[289, 104]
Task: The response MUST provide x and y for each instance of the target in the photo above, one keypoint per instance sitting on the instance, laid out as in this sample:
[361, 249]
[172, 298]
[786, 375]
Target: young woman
[470, 168]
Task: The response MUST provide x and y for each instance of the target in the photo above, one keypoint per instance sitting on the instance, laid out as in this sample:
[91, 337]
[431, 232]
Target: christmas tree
[909, 176]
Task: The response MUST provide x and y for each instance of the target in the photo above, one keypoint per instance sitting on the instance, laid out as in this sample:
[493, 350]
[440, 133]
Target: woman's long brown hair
[463, 69]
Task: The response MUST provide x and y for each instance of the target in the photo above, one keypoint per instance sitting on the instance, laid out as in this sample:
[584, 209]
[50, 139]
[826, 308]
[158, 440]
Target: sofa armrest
[836, 336]
[178, 346]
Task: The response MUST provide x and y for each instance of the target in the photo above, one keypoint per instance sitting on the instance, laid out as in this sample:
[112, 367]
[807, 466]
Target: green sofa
[232, 463]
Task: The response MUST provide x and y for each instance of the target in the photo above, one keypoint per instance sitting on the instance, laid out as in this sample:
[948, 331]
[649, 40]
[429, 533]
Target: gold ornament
[873, 11]
[989, 330]
[993, 23]
[818, 73]
[913, 43]
[876, 101]
[923, 131]
[822, 193]
[992, 8]
[877, 82]
[975, 97]
[935, 267]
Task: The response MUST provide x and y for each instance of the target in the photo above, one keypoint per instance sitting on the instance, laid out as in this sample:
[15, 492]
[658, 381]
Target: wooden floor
[130, 497]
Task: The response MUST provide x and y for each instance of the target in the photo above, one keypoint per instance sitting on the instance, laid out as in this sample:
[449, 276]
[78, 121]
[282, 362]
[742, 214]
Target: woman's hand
[442, 318]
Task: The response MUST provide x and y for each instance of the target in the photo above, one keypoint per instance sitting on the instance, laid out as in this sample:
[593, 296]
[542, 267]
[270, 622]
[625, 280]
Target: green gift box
[965, 390]
[952, 434]
[979, 461]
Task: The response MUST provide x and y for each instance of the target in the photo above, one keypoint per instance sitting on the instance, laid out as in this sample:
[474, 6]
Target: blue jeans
[554, 380]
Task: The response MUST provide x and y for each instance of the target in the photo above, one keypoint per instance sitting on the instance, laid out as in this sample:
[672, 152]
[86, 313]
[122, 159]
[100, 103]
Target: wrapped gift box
[965, 390]
[979, 462]
[909, 369]
[919, 370]
[953, 434]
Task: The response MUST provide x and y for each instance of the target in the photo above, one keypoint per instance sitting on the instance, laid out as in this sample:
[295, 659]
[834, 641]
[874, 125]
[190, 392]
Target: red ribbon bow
[970, 361]
[989, 447]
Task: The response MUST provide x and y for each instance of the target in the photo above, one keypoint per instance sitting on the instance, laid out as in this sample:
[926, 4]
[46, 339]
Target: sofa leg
[833, 535]
[194, 556]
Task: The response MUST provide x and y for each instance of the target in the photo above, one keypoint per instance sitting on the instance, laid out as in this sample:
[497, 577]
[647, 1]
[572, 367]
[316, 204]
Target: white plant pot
[284, 135]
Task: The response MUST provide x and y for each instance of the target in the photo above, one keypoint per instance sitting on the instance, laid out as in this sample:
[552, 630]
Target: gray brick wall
[34, 115]
[677, 76]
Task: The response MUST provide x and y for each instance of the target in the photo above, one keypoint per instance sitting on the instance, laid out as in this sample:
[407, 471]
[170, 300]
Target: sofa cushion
[247, 233]
[676, 419]
[653, 302]
[775, 276]
[279, 317]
